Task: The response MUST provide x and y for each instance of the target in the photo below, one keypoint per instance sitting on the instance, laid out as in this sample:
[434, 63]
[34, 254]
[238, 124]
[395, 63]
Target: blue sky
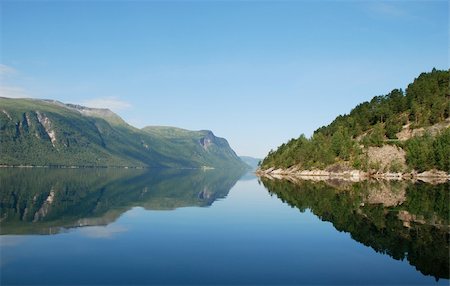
[255, 72]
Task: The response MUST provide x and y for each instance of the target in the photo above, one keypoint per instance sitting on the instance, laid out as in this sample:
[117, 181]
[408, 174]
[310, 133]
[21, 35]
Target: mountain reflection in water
[404, 220]
[107, 228]
[47, 201]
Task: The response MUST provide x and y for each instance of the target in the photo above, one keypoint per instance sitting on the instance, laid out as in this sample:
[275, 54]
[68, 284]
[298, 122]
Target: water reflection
[404, 220]
[47, 201]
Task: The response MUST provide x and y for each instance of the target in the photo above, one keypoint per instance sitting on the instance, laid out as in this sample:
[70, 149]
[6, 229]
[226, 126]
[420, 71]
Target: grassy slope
[215, 153]
[92, 137]
[24, 139]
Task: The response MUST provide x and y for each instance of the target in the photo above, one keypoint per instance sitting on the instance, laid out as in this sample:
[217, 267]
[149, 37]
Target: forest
[423, 104]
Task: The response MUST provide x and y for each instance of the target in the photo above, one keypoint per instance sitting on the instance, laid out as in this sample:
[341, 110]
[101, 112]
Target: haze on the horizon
[256, 73]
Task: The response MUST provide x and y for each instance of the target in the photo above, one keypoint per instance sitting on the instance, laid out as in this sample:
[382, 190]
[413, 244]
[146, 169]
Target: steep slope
[205, 148]
[423, 110]
[42, 132]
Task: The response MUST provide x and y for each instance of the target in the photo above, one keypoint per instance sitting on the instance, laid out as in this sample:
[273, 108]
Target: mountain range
[36, 132]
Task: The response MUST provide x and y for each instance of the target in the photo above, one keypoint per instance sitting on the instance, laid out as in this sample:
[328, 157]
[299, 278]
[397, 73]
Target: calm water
[205, 227]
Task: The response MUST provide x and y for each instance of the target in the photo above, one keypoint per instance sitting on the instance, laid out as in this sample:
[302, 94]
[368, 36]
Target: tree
[376, 136]
[419, 153]
[441, 149]
[341, 143]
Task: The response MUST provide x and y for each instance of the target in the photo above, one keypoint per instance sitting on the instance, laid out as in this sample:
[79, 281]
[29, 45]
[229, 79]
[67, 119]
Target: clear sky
[255, 72]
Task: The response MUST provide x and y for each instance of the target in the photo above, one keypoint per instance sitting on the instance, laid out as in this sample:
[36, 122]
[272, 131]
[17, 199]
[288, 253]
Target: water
[103, 226]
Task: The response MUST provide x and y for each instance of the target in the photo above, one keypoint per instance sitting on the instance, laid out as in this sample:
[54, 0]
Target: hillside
[398, 132]
[50, 133]
[203, 145]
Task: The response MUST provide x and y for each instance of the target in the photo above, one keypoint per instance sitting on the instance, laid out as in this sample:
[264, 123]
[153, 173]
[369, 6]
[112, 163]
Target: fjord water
[113, 226]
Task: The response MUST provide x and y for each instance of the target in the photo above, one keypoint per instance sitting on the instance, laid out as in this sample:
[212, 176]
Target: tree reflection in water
[404, 220]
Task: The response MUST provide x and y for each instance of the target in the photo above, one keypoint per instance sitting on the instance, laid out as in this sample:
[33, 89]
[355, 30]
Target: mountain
[397, 132]
[252, 162]
[51, 133]
[205, 149]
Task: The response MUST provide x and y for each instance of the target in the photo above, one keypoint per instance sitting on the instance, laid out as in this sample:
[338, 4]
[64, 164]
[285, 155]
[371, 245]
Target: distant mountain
[251, 161]
[202, 147]
[51, 133]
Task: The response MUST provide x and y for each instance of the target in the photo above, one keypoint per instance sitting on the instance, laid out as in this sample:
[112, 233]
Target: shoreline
[294, 174]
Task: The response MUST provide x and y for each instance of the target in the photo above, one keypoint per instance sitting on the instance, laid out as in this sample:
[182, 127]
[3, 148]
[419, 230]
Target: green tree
[419, 153]
[376, 136]
[342, 143]
[441, 148]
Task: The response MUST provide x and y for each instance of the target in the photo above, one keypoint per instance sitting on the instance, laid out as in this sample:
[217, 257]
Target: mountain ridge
[51, 133]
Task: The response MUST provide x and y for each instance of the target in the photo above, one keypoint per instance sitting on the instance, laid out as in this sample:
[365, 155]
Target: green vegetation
[195, 146]
[425, 102]
[427, 152]
[414, 228]
[49, 133]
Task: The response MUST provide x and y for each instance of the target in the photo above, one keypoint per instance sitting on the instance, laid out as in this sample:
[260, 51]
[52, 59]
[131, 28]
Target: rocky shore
[294, 174]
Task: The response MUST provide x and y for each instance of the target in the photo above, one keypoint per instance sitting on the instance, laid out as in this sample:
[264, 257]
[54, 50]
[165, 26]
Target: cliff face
[203, 145]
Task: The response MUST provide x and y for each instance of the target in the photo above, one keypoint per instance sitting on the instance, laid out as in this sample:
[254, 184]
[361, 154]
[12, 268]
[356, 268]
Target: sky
[257, 73]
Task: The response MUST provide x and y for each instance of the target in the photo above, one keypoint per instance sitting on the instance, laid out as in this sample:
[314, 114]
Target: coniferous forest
[422, 111]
